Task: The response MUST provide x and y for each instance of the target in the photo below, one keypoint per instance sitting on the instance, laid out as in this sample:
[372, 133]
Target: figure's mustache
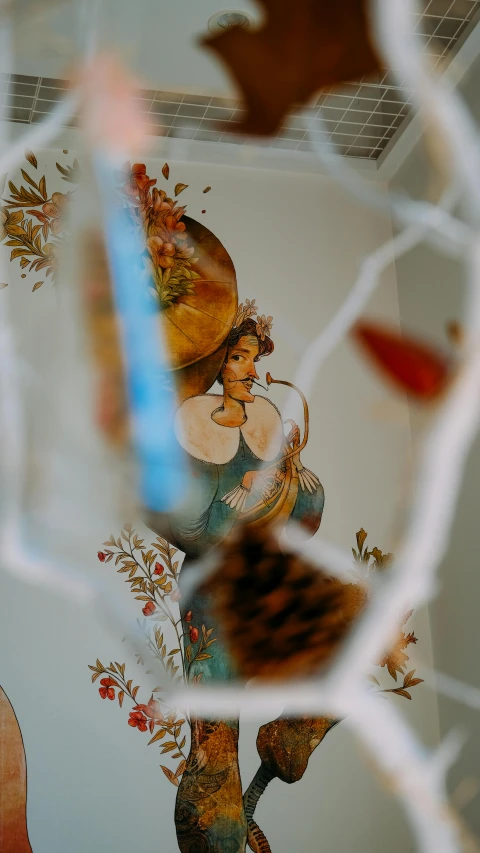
[248, 379]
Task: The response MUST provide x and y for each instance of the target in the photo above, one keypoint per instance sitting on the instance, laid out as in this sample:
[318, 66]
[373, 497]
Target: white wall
[430, 288]
[296, 241]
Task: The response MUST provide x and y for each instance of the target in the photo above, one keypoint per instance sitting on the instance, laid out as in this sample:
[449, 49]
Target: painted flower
[107, 690]
[159, 202]
[193, 633]
[152, 712]
[137, 179]
[264, 326]
[101, 556]
[149, 608]
[159, 569]
[186, 253]
[162, 253]
[56, 210]
[244, 311]
[176, 595]
[176, 230]
[188, 616]
[138, 721]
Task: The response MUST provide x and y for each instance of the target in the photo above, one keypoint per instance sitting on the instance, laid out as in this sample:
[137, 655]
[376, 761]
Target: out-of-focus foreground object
[298, 51]
[413, 365]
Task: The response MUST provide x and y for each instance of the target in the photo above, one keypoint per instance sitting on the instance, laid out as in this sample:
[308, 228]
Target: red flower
[193, 632]
[107, 690]
[152, 711]
[137, 179]
[138, 721]
[159, 569]
[188, 616]
[149, 608]
[101, 556]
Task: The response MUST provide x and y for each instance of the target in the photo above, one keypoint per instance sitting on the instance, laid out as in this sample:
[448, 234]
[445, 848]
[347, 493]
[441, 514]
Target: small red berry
[159, 569]
[101, 556]
[188, 616]
[193, 634]
[149, 608]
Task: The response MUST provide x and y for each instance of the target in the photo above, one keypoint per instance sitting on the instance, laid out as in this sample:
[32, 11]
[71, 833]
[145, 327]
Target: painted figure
[244, 468]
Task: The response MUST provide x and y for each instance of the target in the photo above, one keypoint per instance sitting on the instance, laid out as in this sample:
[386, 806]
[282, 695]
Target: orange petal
[413, 365]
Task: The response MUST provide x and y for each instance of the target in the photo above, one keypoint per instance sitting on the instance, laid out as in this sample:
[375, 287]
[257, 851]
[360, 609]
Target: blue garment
[207, 520]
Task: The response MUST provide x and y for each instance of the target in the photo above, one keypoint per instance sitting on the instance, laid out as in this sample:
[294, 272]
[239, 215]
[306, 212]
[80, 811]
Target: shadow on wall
[13, 783]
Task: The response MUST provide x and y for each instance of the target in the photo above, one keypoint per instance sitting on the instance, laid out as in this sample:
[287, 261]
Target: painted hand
[253, 481]
[308, 480]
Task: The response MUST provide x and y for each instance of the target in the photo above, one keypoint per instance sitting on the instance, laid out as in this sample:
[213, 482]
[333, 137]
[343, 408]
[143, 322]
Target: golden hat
[196, 326]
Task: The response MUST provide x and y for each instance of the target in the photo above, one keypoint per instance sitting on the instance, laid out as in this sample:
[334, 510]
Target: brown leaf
[166, 171]
[455, 332]
[3, 284]
[121, 696]
[30, 156]
[400, 692]
[207, 189]
[180, 769]
[42, 186]
[37, 285]
[294, 54]
[414, 366]
[170, 776]
[179, 188]
[157, 736]
[361, 536]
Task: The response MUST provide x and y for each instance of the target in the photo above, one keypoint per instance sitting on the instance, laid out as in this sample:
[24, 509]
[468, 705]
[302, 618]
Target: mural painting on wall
[246, 463]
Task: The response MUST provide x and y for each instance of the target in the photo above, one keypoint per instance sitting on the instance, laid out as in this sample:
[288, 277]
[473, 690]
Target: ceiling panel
[359, 118]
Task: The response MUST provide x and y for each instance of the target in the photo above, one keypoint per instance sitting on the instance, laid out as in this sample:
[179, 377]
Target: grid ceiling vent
[360, 118]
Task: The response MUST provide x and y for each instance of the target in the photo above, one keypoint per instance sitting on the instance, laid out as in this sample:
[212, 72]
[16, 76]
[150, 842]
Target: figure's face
[239, 369]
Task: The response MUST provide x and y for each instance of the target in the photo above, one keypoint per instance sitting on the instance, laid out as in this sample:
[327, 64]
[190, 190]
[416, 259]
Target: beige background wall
[296, 241]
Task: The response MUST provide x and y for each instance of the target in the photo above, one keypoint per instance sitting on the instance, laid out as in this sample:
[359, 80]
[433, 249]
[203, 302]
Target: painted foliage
[246, 464]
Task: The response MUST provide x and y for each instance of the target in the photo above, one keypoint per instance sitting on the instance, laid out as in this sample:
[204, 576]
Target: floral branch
[144, 717]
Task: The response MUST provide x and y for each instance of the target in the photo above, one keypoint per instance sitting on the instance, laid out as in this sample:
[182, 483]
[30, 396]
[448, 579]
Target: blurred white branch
[416, 776]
